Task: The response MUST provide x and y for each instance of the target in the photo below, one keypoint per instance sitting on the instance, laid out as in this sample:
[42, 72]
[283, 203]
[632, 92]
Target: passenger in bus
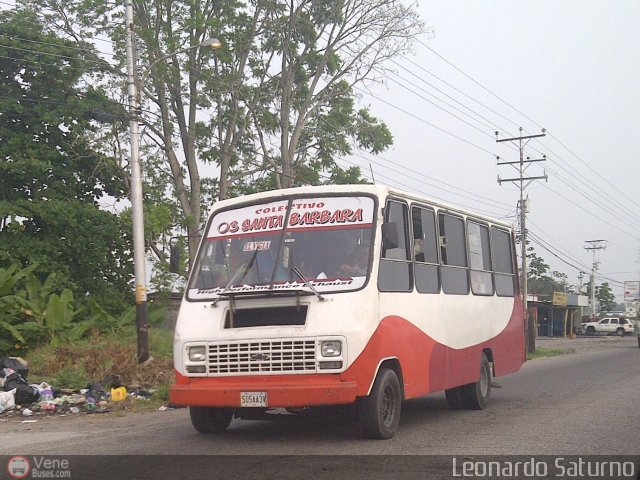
[360, 263]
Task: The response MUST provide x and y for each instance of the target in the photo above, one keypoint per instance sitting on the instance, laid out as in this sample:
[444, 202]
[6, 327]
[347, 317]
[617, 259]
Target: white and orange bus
[333, 295]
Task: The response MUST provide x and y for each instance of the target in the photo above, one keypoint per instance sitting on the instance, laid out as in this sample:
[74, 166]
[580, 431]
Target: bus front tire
[455, 398]
[476, 395]
[210, 419]
[379, 412]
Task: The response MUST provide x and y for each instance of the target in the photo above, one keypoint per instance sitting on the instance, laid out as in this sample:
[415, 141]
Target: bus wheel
[210, 419]
[379, 413]
[476, 395]
[455, 398]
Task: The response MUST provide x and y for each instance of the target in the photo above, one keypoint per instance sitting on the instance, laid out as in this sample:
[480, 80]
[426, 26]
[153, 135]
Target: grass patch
[95, 358]
[549, 352]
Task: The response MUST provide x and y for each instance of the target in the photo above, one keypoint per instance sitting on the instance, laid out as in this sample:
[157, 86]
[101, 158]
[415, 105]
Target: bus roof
[378, 190]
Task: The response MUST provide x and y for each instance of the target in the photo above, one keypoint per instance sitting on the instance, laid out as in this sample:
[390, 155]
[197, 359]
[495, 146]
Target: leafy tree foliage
[274, 108]
[541, 281]
[51, 176]
[605, 297]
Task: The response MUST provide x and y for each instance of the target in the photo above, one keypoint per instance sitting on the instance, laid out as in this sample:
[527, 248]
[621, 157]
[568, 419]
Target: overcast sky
[571, 67]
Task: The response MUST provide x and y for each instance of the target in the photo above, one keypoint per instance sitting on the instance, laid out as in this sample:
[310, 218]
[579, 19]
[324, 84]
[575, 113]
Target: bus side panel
[428, 366]
[507, 350]
[395, 337]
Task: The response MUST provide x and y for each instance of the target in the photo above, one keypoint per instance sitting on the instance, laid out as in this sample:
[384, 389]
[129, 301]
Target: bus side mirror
[174, 259]
[390, 235]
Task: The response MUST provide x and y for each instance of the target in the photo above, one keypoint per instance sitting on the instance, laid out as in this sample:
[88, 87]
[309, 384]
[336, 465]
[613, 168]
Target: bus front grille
[263, 357]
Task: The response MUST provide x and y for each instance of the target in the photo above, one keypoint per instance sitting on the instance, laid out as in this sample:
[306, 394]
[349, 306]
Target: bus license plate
[253, 399]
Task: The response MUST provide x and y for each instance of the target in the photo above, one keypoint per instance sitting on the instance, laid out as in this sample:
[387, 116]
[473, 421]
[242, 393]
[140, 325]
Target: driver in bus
[360, 263]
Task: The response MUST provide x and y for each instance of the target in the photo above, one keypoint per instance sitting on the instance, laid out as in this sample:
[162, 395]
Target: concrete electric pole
[594, 246]
[523, 182]
[137, 214]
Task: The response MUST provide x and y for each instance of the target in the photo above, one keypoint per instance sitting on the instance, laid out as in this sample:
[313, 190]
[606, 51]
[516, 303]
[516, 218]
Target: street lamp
[136, 180]
[213, 43]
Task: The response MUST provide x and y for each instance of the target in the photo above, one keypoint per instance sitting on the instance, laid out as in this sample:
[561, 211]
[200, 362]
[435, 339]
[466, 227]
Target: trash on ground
[7, 400]
[18, 397]
[118, 394]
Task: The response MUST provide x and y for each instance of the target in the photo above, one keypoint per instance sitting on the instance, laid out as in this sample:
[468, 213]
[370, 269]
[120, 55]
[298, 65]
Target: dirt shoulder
[585, 343]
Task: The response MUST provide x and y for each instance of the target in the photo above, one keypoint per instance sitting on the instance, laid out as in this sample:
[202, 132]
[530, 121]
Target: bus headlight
[331, 348]
[197, 354]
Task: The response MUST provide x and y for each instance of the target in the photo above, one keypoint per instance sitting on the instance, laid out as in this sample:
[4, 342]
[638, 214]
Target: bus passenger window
[425, 250]
[395, 265]
[479, 259]
[503, 271]
[454, 255]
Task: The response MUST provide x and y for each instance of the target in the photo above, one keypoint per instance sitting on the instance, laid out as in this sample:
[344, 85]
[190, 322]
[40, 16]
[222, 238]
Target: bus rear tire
[210, 419]
[379, 412]
[476, 395]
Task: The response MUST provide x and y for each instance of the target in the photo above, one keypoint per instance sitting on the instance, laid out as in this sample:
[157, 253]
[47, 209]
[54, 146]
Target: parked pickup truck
[619, 326]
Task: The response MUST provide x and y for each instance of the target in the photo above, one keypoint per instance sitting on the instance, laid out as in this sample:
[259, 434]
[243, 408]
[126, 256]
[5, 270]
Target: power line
[593, 214]
[412, 188]
[427, 184]
[579, 267]
[571, 185]
[37, 62]
[484, 132]
[600, 203]
[588, 184]
[459, 91]
[71, 47]
[486, 122]
[466, 194]
[478, 83]
[39, 52]
[614, 189]
[425, 121]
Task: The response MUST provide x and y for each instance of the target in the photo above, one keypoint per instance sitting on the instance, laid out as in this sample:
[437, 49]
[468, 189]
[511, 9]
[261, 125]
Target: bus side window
[453, 250]
[425, 250]
[503, 271]
[395, 265]
[479, 259]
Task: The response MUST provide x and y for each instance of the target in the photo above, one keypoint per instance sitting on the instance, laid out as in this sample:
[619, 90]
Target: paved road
[584, 403]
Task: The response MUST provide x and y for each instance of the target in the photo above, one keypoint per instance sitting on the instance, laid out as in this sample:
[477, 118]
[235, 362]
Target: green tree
[275, 107]
[541, 281]
[51, 176]
[605, 297]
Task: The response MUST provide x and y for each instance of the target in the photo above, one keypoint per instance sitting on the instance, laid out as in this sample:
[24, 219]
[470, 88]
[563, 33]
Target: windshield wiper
[307, 283]
[244, 268]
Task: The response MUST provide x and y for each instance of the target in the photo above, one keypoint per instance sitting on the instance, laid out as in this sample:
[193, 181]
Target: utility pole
[523, 182]
[594, 246]
[137, 214]
[580, 277]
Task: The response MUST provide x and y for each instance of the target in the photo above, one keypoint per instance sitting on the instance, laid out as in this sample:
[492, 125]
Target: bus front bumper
[281, 390]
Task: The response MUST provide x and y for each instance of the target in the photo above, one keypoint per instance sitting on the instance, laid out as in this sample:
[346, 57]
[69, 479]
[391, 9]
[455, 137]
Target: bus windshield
[286, 245]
